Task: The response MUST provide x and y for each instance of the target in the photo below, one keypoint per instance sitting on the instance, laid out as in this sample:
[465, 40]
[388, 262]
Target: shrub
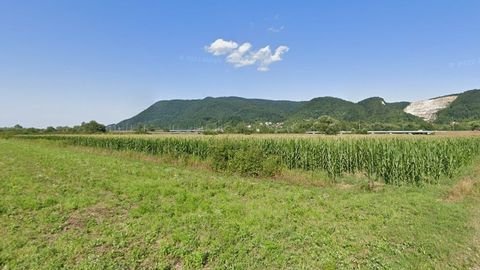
[252, 161]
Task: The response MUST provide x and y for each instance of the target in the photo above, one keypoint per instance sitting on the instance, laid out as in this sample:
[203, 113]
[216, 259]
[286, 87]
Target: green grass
[70, 207]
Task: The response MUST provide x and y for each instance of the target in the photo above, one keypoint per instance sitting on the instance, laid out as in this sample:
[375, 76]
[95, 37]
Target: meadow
[192, 202]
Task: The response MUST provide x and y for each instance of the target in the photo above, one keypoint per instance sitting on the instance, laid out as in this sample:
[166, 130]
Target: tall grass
[395, 160]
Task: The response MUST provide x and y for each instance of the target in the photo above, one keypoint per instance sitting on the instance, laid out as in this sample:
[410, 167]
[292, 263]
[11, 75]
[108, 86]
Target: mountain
[466, 107]
[373, 109]
[186, 114]
[331, 106]
[181, 114]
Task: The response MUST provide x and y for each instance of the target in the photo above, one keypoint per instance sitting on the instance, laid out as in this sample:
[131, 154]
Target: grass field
[77, 207]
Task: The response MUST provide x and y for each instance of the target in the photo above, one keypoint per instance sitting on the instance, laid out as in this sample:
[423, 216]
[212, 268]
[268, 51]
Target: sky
[63, 62]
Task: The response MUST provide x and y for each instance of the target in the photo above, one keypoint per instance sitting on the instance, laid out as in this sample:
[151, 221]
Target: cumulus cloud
[221, 47]
[239, 57]
[265, 57]
[243, 55]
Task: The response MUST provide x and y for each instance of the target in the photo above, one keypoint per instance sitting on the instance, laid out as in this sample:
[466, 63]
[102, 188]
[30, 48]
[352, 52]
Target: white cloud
[238, 57]
[220, 47]
[265, 57]
[243, 55]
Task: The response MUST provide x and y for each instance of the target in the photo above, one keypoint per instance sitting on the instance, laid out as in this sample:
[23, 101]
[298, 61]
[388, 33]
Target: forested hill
[186, 114]
[196, 113]
[373, 109]
[465, 108]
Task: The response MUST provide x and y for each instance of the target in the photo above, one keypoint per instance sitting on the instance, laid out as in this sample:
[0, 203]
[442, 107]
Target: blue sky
[63, 62]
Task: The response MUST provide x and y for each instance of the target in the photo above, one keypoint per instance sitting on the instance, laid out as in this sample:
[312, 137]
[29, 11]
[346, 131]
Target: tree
[92, 127]
[50, 129]
[327, 125]
[475, 125]
[332, 129]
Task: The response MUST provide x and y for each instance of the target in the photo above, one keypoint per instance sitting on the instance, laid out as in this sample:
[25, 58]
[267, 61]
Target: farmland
[397, 160]
[64, 205]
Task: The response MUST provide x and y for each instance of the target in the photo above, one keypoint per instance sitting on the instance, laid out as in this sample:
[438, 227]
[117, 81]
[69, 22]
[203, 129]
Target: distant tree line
[323, 124]
[91, 127]
[329, 125]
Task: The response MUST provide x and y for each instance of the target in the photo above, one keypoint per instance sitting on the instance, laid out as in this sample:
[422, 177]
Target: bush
[92, 127]
[271, 166]
[247, 160]
[221, 154]
[252, 161]
[332, 130]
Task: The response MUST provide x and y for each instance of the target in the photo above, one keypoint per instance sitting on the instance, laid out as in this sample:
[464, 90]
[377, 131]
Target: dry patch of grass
[79, 219]
[467, 186]
[460, 190]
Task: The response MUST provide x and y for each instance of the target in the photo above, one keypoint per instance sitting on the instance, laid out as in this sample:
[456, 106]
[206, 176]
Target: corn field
[394, 160]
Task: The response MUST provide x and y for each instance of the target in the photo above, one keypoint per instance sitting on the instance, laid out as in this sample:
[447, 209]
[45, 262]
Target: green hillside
[373, 109]
[181, 114]
[377, 110]
[215, 112]
[465, 108]
[331, 106]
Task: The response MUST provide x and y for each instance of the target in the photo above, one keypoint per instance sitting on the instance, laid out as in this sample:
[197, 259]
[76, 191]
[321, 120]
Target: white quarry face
[427, 109]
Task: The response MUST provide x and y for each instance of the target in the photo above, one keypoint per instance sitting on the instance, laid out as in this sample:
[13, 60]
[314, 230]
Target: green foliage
[395, 160]
[369, 110]
[327, 125]
[465, 108]
[214, 112]
[334, 107]
[92, 127]
[18, 130]
[50, 130]
[85, 128]
[475, 125]
[221, 155]
[73, 208]
[233, 115]
[245, 160]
